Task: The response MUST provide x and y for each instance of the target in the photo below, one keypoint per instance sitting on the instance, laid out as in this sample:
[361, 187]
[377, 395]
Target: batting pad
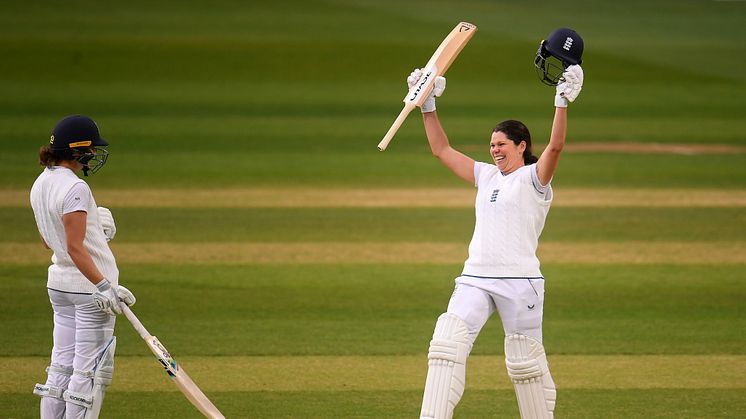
[101, 376]
[46, 390]
[446, 374]
[528, 369]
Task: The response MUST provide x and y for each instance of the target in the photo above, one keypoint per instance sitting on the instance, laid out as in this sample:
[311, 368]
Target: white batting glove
[126, 296]
[106, 298]
[414, 77]
[440, 85]
[569, 89]
[107, 223]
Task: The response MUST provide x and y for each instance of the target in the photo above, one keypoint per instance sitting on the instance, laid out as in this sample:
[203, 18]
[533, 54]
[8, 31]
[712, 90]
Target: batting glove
[106, 298]
[440, 85]
[569, 89]
[126, 296]
[107, 223]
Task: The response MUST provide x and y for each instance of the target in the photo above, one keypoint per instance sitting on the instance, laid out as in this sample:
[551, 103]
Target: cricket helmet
[76, 137]
[561, 49]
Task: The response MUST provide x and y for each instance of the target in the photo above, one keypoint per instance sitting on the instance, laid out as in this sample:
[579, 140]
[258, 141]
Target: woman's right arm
[458, 163]
[75, 227]
[108, 296]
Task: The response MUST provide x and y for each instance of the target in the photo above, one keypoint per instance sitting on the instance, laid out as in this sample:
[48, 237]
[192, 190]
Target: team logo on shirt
[493, 198]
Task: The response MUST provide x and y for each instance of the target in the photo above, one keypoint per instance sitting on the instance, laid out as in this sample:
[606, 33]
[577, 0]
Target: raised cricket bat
[437, 66]
[174, 370]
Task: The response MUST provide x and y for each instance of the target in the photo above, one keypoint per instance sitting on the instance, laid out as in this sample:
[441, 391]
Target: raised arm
[567, 91]
[460, 164]
[549, 159]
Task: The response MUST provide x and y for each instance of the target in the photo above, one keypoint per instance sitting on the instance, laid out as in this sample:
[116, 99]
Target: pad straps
[528, 369]
[45, 390]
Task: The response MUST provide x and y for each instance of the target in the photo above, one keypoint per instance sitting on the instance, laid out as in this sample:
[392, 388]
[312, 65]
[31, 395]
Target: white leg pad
[528, 369]
[81, 399]
[102, 376]
[44, 390]
[446, 375]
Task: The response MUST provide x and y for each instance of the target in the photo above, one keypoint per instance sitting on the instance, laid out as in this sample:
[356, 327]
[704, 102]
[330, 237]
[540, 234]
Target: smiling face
[507, 155]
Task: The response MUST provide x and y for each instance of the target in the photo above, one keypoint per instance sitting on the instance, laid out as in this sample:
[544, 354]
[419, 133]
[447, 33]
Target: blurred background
[297, 272]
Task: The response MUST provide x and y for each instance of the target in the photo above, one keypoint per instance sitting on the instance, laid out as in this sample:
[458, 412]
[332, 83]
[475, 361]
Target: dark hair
[49, 157]
[516, 132]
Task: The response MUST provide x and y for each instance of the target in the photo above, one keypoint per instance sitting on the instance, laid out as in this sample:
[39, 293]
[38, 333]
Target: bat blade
[196, 396]
[438, 64]
[183, 382]
[162, 354]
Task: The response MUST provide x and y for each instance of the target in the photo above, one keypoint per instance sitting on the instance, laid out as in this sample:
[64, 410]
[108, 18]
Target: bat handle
[408, 107]
[141, 330]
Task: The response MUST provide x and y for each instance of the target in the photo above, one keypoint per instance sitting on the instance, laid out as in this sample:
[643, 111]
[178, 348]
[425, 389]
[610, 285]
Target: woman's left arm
[567, 91]
[549, 159]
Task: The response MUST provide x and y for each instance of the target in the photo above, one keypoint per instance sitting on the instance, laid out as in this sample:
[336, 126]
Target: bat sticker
[422, 84]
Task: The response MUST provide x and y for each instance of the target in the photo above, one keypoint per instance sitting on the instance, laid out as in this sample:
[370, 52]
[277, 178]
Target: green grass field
[237, 129]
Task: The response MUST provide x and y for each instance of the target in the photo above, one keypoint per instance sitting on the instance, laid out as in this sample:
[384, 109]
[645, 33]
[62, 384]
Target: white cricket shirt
[58, 191]
[510, 214]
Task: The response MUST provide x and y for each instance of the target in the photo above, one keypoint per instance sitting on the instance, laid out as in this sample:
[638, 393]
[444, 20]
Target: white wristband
[428, 105]
[103, 285]
[560, 101]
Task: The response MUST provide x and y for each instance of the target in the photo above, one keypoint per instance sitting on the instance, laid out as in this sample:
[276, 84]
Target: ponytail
[47, 156]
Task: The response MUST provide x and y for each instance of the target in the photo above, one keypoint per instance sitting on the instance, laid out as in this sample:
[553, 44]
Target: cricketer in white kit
[502, 271]
[82, 281]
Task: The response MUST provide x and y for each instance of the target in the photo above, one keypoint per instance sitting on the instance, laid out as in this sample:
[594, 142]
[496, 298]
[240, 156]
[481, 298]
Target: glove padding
[107, 298]
[569, 89]
[440, 85]
[107, 223]
[126, 296]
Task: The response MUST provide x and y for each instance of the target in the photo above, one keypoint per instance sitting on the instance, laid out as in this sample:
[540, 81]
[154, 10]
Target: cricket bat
[174, 370]
[437, 66]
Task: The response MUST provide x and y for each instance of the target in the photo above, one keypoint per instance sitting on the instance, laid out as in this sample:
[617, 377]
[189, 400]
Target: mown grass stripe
[657, 148]
[629, 252]
[633, 147]
[387, 198]
[401, 373]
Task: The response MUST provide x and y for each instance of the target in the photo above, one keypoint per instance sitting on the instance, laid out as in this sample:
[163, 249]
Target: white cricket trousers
[519, 302]
[81, 332]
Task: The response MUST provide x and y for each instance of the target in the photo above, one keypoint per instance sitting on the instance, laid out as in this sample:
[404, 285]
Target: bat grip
[141, 330]
[408, 107]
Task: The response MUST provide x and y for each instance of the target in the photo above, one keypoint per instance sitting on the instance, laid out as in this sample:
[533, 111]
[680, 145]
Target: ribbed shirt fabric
[510, 214]
[51, 197]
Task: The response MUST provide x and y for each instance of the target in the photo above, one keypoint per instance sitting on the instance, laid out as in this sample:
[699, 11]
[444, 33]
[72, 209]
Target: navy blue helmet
[561, 49]
[76, 137]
